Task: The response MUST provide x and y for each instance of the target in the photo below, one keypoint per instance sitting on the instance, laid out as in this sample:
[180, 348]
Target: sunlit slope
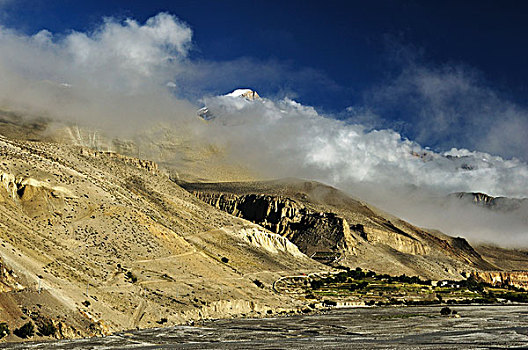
[115, 242]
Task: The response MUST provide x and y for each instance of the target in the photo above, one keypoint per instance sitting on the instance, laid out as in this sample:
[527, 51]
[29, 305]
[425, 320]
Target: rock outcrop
[37, 198]
[148, 165]
[269, 241]
[517, 279]
[8, 279]
[313, 232]
[503, 204]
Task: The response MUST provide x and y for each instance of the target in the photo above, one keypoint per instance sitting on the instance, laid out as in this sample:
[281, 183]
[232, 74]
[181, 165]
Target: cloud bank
[113, 78]
[284, 138]
[304, 142]
[126, 76]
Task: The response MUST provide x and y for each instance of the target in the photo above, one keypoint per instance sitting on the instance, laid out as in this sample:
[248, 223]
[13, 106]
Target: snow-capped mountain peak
[248, 94]
[245, 94]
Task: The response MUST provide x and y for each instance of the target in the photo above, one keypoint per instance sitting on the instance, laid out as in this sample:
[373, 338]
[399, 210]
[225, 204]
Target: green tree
[47, 328]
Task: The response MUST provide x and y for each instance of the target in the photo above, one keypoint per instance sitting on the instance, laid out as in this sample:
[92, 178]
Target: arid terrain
[327, 224]
[94, 242]
[114, 244]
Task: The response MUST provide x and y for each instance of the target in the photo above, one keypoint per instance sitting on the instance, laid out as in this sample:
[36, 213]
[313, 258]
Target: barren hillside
[114, 244]
[94, 241]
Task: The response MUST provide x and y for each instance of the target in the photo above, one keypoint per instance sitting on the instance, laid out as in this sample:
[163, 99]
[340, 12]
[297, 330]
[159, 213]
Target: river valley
[477, 327]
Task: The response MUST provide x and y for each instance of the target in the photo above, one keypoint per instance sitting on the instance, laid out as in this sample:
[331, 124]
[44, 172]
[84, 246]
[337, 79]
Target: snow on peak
[245, 93]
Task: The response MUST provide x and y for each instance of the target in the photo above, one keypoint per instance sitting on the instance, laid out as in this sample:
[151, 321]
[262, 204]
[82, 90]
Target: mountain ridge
[365, 234]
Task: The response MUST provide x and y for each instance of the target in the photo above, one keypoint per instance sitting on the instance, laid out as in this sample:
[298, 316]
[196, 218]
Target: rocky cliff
[334, 228]
[310, 231]
[504, 204]
[8, 279]
[146, 164]
[517, 279]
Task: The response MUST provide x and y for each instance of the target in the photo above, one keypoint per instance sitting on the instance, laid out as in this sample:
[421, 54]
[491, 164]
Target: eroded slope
[114, 244]
[335, 228]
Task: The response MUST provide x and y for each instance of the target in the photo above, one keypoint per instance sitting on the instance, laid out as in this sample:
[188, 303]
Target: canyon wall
[320, 234]
[313, 232]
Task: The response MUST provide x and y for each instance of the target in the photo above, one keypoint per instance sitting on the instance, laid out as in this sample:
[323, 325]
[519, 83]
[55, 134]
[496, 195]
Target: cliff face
[273, 243]
[21, 188]
[332, 227]
[517, 279]
[478, 198]
[148, 165]
[8, 280]
[401, 242]
[314, 232]
[311, 231]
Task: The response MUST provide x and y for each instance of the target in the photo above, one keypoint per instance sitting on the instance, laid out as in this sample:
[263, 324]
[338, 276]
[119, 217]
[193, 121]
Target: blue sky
[354, 43]
[456, 67]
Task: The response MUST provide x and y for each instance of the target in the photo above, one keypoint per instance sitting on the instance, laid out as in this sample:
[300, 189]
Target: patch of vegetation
[86, 303]
[519, 297]
[355, 286]
[329, 303]
[358, 285]
[310, 295]
[25, 331]
[225, 260]
[4, 330]
[258, 283]
[422, 302]
[162, 320]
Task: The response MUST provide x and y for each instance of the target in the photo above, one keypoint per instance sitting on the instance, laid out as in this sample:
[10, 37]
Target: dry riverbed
[478, 327]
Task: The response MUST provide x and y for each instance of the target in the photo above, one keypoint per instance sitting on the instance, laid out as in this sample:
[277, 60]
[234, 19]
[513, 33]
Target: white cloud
[120, 60]
[284, 138]
[116, 51]
[303, 143]
[114, 74]
[130, 46]
[122, 77]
